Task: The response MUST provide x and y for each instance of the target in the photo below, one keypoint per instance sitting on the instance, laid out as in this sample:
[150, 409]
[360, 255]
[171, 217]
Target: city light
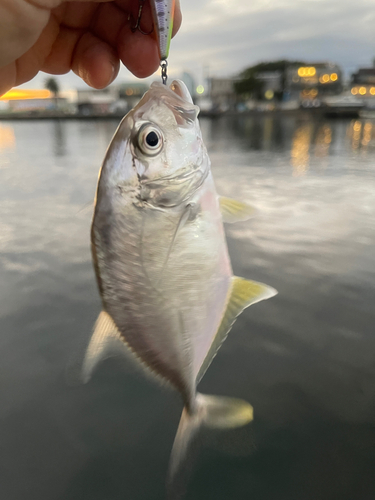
[362, 90]
[305, 72]
[200, 89]
[7, 138]
[324, 78]
[269, 94]
[19, 94]
[334, 77]
[372, 91]
[354, 91]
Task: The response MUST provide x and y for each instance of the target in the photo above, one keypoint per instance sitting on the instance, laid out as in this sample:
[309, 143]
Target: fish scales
[161, 259]
[141, 289]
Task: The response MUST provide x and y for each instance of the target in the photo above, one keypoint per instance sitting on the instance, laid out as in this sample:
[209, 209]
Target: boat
[342, 106]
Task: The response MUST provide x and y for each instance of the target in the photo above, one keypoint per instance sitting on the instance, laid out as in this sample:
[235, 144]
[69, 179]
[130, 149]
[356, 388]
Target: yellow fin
[225, 413]
[243, 294]
[235, 211]
[102, 340]
[215, 412]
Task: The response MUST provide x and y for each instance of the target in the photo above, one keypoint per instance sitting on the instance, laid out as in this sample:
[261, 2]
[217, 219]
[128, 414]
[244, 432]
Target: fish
[161, 259]
[162, 14]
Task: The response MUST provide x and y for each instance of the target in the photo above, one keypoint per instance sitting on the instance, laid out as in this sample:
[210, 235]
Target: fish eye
[150, 139]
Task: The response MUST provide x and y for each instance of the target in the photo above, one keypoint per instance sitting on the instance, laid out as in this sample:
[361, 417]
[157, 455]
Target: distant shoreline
[306, 113]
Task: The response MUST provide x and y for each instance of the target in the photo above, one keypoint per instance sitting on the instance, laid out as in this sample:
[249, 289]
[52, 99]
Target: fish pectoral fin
[243, 294]
[235, 211]
[101, 343]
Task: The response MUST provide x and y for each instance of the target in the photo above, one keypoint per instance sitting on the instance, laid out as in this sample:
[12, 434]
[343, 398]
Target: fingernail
[115, 69]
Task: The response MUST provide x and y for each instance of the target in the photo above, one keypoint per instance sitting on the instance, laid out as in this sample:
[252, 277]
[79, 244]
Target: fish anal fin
[235, 211]
[101, 344]
[242, 294]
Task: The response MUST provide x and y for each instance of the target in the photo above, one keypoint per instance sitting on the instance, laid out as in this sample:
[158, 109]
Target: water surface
[305, 359]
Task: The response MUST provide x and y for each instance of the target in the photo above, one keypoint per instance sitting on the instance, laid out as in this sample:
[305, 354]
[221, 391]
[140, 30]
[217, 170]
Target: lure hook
[137, 25]
[164, 76]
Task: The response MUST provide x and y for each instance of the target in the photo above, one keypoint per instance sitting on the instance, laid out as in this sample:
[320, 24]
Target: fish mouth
[177, 98]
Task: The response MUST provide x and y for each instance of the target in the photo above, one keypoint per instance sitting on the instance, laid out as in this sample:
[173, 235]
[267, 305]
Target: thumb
[22, 22]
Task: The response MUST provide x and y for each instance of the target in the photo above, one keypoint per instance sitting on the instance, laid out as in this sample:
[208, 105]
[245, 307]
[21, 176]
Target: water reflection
[7, 137]
[361, 134]
[300, 152]
[304, 360]
[367, 134]
[307, 141]
[59, 138]
[323, 140]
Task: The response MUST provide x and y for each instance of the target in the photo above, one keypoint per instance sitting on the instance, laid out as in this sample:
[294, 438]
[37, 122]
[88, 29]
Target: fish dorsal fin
[101, 344]
[243, 294]
[235, 211]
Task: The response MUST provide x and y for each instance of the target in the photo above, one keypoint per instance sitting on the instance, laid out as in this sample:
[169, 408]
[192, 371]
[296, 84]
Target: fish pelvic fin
[101, 344]
[243, 294]
[210, 411]
[235, 211]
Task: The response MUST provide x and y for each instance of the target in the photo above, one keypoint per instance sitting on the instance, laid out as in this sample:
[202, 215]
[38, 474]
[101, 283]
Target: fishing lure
[162, 13]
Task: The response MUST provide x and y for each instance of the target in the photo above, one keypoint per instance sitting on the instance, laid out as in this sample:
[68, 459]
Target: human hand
[89, 37]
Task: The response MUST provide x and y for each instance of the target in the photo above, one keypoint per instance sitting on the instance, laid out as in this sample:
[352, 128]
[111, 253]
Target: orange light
[7, 138]
[372, 91]
[325, 78]
[311, 71]
[354, 91]
[20, 94]
[362, 90]
[301, 71]
[334, 77]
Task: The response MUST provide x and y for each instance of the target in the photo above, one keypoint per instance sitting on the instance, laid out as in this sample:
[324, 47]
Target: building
[95, 102]
[313, 81]
[131, 92]
[363, 83]
[115, 99]
[272, 82]
[222, 93]
[32, 101]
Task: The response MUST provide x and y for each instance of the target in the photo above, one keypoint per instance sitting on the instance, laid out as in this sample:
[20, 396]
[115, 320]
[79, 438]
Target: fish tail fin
[215, 412]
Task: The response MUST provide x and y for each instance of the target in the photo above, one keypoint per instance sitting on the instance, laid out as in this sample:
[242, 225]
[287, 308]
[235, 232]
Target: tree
[248, 85]
[52, 85]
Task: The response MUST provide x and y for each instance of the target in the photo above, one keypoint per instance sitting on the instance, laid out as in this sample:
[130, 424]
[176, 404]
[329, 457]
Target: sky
[223, 37]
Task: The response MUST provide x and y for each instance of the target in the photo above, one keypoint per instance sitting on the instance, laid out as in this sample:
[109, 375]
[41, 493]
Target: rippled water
[305, 359]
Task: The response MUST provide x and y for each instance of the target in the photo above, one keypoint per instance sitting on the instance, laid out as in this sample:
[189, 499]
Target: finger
[59, 60]
[52, 4]
[76, 14]
[108, 22]
[95, 61]
[177, 19]
[138, 52]
[8, 76]
[31, 62]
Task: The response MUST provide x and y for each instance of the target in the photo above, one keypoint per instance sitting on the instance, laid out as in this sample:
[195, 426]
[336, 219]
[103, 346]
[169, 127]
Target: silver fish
[161, 258]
